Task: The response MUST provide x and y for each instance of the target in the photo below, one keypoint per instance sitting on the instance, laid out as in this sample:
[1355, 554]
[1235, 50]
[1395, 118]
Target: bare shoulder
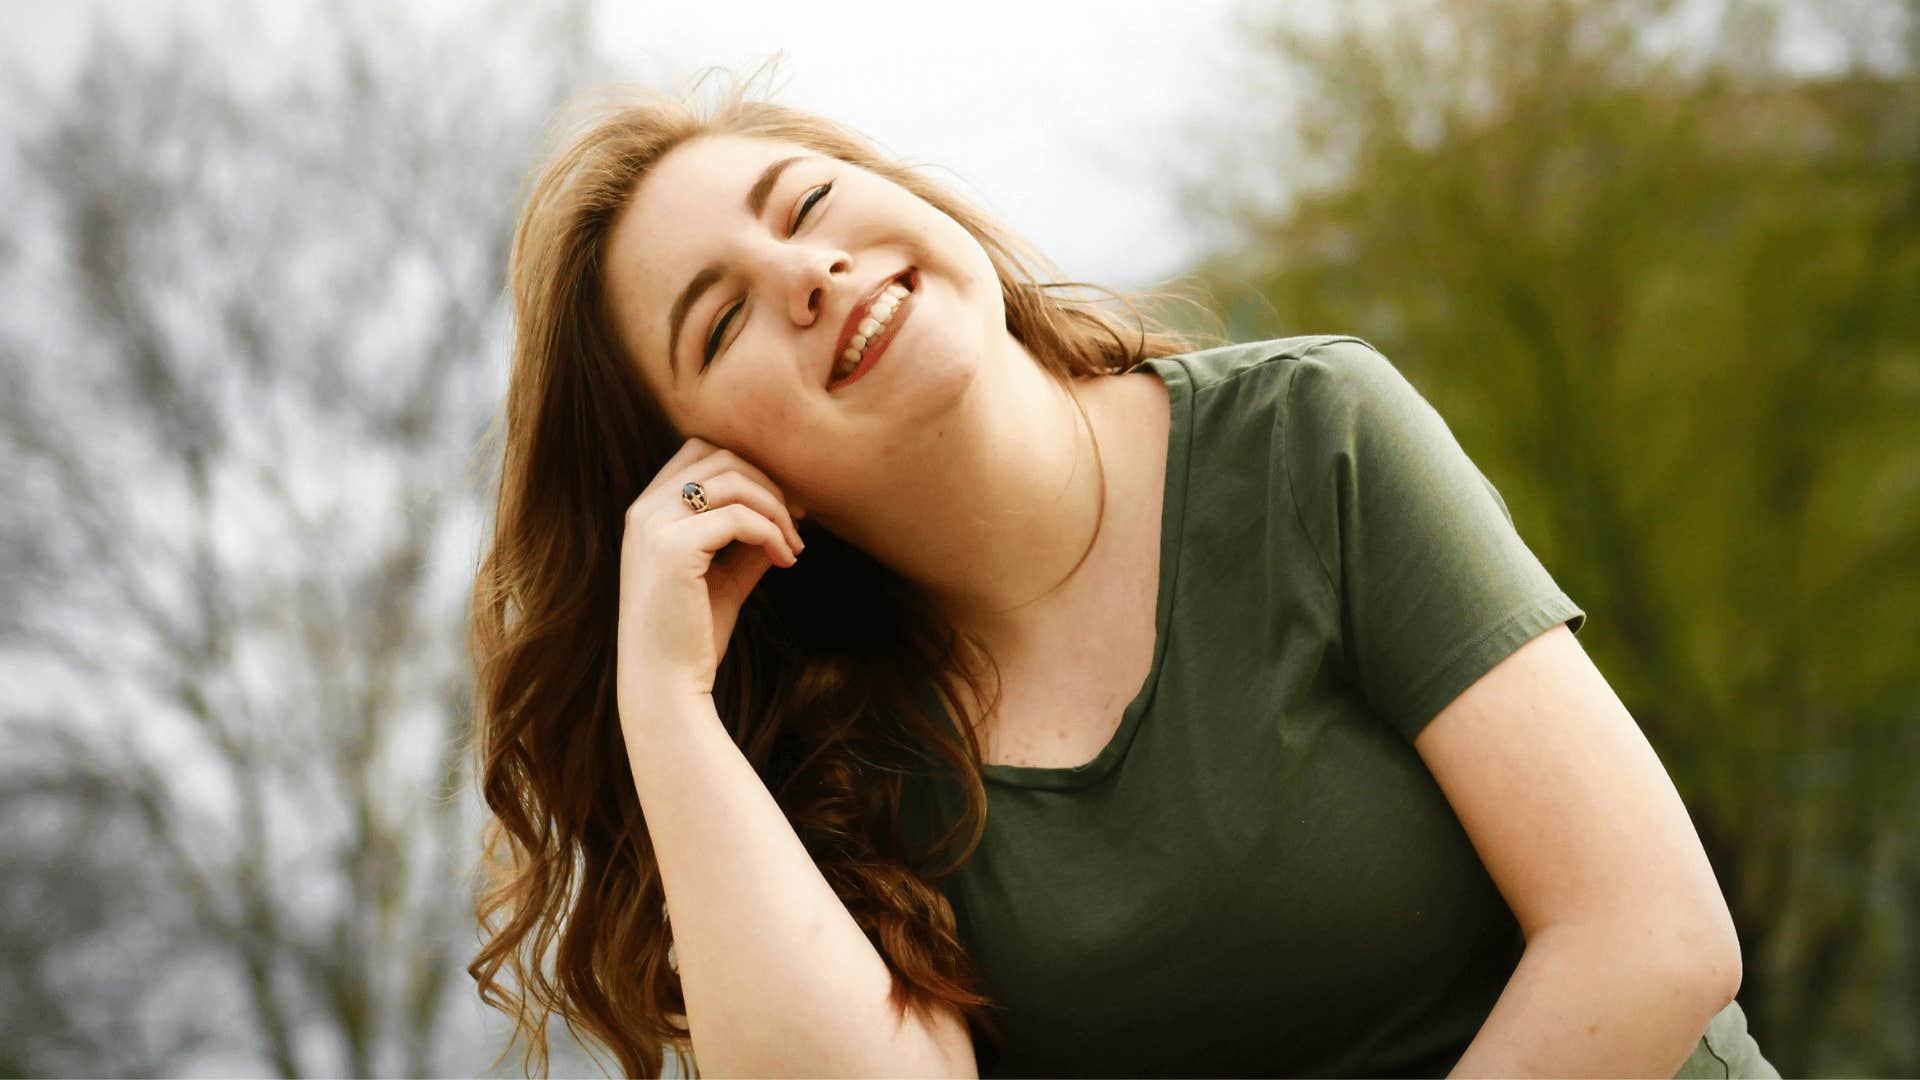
[1134, 407]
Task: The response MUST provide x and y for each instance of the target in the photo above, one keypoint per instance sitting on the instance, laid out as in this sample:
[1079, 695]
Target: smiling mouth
[857, 352]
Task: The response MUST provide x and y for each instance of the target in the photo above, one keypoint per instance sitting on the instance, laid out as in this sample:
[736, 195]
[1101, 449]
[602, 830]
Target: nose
[818, 275]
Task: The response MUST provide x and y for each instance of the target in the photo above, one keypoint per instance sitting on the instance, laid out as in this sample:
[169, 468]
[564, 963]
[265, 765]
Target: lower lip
[879, 344]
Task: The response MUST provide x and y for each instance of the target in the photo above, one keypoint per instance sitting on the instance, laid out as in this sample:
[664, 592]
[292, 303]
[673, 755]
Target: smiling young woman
[1241, 651]
[686, 285]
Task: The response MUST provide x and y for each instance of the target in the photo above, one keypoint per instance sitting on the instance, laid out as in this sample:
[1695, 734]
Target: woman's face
[730, 276]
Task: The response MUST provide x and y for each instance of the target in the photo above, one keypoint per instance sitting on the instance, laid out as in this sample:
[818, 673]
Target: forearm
[1581, 1003]
[779, 979]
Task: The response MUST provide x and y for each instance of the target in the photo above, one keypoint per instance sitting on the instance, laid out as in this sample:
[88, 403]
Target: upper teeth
[869, 328]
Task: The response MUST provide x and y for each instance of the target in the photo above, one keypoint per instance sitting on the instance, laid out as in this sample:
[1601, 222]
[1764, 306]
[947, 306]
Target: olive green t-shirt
[1258, 875]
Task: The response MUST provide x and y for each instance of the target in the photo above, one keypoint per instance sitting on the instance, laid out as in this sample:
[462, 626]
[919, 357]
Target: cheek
[757, 414]
[760, 426]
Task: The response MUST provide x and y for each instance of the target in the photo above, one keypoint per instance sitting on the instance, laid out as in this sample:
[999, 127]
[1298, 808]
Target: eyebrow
[756, 204]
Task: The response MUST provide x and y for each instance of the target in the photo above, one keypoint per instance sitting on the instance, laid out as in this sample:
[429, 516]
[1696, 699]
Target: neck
[994, 508]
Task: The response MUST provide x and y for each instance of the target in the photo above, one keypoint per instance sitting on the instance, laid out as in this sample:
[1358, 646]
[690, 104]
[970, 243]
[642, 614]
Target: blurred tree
[252, 333]
[1666, 290]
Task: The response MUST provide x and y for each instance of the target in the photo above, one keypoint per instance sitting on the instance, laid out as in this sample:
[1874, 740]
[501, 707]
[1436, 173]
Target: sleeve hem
[1482, 654]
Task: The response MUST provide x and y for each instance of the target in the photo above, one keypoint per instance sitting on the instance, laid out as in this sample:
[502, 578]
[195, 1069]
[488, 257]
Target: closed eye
[726, 317]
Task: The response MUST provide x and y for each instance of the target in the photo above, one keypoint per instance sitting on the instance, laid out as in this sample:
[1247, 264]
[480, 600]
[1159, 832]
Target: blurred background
[1657, 263]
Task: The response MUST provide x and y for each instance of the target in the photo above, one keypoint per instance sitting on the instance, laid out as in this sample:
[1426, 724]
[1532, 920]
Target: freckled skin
[766, 414]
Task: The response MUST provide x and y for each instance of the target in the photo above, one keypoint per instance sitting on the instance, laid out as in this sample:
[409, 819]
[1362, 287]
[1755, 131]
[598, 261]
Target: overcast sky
[1058, 114]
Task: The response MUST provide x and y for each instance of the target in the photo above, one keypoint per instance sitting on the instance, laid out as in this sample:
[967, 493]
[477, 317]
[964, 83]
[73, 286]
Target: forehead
[670, 229]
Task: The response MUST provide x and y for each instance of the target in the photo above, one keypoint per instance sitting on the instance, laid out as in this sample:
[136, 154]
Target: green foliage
[1669, 300]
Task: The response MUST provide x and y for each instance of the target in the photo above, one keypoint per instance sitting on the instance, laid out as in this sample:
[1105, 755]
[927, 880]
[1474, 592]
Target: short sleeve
[1435, 585]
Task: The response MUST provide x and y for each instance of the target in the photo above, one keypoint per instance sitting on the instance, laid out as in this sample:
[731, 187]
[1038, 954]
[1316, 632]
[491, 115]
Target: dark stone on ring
[694, 496]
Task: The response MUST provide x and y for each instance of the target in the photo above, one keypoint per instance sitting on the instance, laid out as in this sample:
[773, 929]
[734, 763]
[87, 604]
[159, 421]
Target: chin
[938, 381]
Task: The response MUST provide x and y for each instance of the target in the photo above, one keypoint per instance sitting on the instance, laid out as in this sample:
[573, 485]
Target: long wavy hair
[827, 698]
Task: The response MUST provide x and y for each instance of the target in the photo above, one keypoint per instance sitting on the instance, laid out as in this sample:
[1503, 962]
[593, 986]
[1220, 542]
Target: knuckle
[747, 472]
[636, 515]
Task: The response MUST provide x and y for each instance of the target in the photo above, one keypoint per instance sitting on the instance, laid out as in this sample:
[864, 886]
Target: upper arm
[1571, 811]
[953, 1041]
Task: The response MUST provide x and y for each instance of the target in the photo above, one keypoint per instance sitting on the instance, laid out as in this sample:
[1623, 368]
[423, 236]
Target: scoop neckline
[1179, 383]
